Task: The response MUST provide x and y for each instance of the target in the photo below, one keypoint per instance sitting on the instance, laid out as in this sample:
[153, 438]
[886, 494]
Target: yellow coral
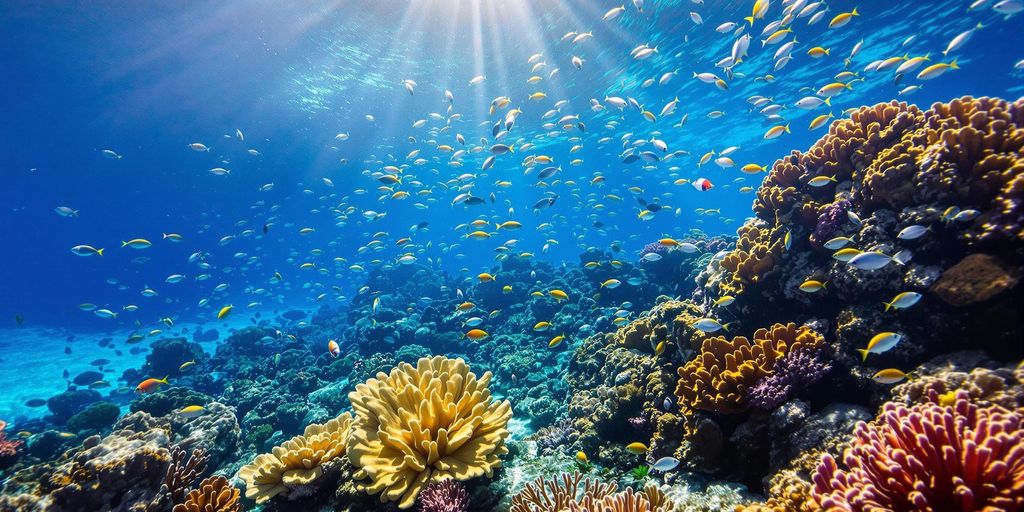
[299, 461]
[424, 424]
[717, 379]
[758, 249]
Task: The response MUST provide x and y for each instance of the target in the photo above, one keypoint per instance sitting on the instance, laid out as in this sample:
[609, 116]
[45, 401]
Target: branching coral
[214, 494]
[446, 496]
[718, 378]
[8, 447]
[425, 424]
[183, 471]
[298, 462]
[572, 492]
[797, 369]
[929, 457]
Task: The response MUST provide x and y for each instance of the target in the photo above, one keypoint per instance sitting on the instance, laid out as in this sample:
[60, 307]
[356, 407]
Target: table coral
[426, 423]
[299, 462]
[929, 457]
[717, 380]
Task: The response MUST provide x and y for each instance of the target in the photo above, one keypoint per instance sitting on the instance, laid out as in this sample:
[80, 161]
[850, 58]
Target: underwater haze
[512, 255]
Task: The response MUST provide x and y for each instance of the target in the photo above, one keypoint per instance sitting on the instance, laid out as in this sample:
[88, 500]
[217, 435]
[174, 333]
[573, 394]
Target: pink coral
[444, 496]
[930, 457]
[8, 447]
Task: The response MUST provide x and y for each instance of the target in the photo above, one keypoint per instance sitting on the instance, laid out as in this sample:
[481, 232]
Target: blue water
[145, 81]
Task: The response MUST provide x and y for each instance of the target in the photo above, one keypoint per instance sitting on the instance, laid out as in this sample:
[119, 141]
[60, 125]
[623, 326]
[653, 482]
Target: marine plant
[298, 462]
[929, 457]
[425, 423]
[214, 494]
[640, 472]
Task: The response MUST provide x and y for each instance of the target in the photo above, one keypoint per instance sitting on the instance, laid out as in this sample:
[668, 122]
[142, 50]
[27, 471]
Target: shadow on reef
[689, 369]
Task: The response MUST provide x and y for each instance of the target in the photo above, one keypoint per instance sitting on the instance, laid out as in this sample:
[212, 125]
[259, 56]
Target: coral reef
[976, 278]
[9, 448]
[930, 456]
[425, 424]
[292, 468]
[214, 494]
[444, 496]
[573, 492]
[718, 378]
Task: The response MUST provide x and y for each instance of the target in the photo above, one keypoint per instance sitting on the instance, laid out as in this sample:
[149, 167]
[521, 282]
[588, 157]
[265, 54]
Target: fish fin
[99, 251]
[828, 101]
[863, 354]
[124, 244]
[854, 12]
[164, 380]
[888, 306]
[726, 326]
[952, 65]
[750, 19]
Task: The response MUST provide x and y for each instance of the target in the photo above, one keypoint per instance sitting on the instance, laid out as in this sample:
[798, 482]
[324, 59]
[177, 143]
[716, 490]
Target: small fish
[912, 232]
[192, 411]
[880, 343]
[611, 284]
[558, 294]
[665, 464]
[812, 286]
[903, 301]
[137, 243]
[333, 348]
[224, 312]
[889, 376]
[86, 250]
[709, 325]
[476, 334]
[186, 365]
[725, 300]
[837, 243]
[150, 385]
[556, 341]
[582, 457]
[637, 448]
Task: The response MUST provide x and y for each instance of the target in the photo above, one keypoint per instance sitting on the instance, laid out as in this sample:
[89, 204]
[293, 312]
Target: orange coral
[717, 379]
[214, 494]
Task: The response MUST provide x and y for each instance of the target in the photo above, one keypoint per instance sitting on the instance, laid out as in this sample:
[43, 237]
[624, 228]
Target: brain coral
[298, 462]
[929, 457]
[718, 378]
[425, 424]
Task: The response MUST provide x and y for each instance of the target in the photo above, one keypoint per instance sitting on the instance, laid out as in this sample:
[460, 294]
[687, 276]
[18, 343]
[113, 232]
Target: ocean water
[315, 170]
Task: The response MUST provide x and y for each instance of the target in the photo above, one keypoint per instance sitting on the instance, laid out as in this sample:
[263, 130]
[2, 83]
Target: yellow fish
[224, 312]
[637, 448]
[558, 294]
[556, 341]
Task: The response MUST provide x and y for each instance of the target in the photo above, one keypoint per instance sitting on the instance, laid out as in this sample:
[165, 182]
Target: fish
[665, 464]
[874, 260]
[637, 448]
[912, 232]
[86, 250]
[611, 284]
[224, 312]
[903, 300]
[558, 294]
[192, 411]
[556, 341]
[476, 334]
[150, 385]
[333, 348]
[812, 286]
[889, 376]
[709, 325]
[880, 343]
[137, 243]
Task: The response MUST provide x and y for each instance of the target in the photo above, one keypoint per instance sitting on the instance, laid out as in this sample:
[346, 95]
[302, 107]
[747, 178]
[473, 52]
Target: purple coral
[829, 221]
[638, 423]
[796, 370]
[444, 496]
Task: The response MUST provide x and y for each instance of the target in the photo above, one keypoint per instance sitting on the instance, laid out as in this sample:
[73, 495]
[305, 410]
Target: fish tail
[787, 128]
[828, 101]
[952, 65]
[124, 244]
[726, 326]
[854, 12]
[863, 354]
[99, 251]
[826, 49]
[164, 380]
[750, 19]
[888, 306]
